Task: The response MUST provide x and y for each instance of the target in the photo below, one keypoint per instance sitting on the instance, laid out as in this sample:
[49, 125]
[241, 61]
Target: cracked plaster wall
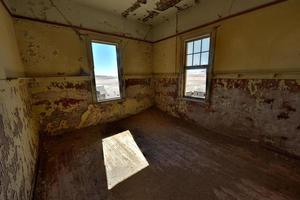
[18, 141]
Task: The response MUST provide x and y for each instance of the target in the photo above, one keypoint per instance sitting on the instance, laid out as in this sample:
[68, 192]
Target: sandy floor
[185, 162]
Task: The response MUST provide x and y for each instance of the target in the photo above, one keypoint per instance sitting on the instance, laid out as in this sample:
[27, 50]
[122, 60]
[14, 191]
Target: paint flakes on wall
[18, 141]
[260, 110]
[57, 49]
[65, 104]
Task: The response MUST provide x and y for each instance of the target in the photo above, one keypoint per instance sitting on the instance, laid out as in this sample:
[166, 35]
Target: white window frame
[209, 67]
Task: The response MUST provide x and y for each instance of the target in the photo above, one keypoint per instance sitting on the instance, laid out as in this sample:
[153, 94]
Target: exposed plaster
[163, 5]
[64, 104]
[263, 110]
[134, 7]
[18, 141]
[151, 15]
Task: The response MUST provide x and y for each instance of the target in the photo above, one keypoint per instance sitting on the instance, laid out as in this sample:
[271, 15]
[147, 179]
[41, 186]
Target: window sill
[203, 102]
[116, 100]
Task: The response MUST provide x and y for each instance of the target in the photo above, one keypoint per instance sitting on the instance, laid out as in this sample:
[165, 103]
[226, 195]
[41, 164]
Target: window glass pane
[195, 83]
[106, 71]
[197, 46]
[189, 47]
[196, 60]
[189, 60]
[204, 58]
[205, 44]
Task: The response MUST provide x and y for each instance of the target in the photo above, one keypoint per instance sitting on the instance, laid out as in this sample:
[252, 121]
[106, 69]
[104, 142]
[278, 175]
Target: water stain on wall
[64, 104]
[260, 110]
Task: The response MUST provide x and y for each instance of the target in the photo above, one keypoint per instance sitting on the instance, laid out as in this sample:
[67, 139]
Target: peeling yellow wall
[164, 56]
[10, 61]
[49, 50]
[137, 58]
[59, 60]
[263, 40]
[63, 104]
[266, 39]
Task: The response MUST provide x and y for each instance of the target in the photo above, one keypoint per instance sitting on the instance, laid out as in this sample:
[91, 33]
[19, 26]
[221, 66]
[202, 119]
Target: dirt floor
[185, 162]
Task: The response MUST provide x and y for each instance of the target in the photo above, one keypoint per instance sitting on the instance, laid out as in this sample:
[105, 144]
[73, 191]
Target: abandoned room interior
[149, 99]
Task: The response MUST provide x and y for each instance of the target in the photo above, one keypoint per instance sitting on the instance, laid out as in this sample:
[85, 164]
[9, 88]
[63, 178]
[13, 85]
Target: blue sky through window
[105, 59]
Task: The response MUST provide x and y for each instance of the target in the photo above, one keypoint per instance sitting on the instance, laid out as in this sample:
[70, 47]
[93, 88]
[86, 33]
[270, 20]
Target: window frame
[208, 67]
[120, 71]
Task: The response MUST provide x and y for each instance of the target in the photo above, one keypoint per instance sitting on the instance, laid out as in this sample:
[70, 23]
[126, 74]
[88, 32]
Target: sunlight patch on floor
[122, 158]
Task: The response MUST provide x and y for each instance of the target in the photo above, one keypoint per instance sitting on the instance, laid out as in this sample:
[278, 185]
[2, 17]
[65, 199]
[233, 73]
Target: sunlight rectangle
[122, 158]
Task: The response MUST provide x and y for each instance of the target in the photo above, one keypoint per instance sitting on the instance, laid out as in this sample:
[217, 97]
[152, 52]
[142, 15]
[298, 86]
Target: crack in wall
[65, 18]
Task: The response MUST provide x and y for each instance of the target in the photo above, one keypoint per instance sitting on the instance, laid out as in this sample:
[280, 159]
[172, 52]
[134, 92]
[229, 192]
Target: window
[197, 64]
[106, 71]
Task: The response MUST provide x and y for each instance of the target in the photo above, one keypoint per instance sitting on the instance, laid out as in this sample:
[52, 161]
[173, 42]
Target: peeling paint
[163, 5]
[71, 58]
[283, 115]
[261, 110]
[137, 81]
[18, 141]
[65, 104]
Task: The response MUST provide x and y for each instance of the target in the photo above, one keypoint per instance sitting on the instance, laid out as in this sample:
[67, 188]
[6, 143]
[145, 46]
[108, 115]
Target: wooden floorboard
[185, 162]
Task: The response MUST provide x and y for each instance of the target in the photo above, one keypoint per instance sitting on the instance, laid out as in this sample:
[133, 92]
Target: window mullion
[197, 67]
[195, 77]
[193, 55]
[200, 51]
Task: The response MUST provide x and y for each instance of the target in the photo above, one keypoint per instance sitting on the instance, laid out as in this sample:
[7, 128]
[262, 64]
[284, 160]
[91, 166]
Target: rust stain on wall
[67, 102]
[137, 81]
[64, 104]
[69, 85]
[260, 110]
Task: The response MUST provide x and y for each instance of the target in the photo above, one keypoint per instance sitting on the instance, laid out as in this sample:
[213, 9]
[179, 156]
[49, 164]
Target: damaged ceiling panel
[145, 11]
[154, 12]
